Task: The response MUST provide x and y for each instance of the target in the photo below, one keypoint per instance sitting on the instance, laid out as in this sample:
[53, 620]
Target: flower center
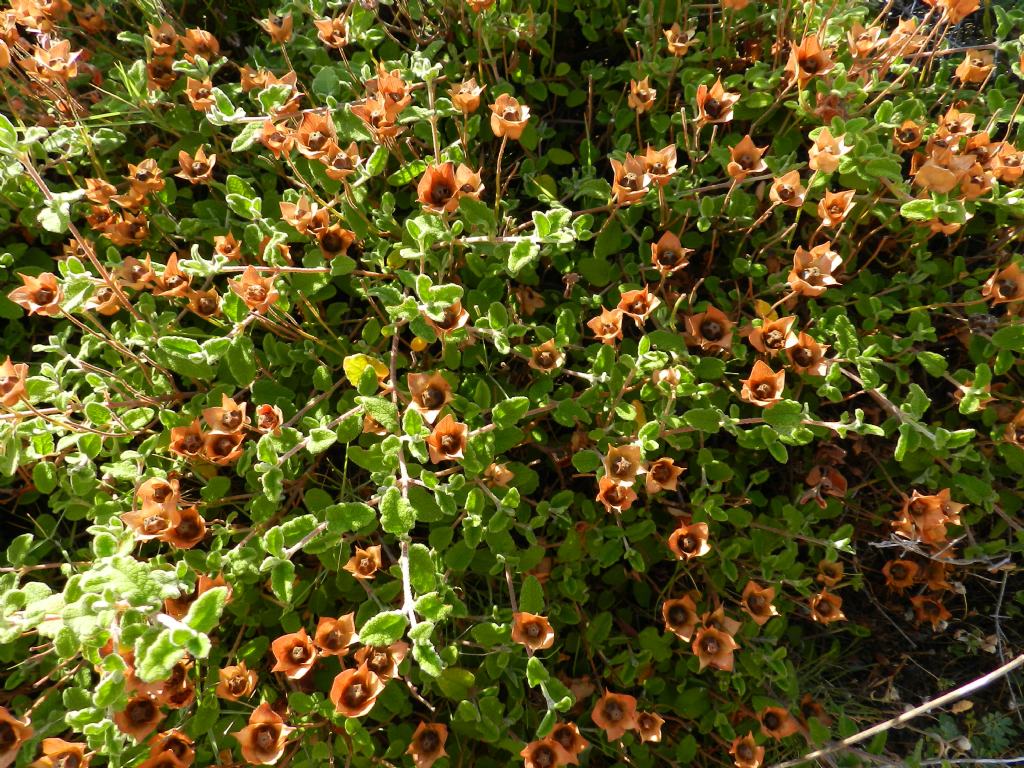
[713, 107]
[207, 306]
[429, 741]
[908, 135]
[785, 193]
[661, 473]
[236, 684]
[710, 646]
[367, 565]
[544, 756]
[332, 242]
[7, 383]
[510, 113]
[231, 419]
[755, 603]
[153, 524]
[44, 296]
[764, 390]
[266, 737]
[432, 397]
[223, 446]
[772, 721]
[532, 630]
[689, 543]
[658, 169]
[678, 615]
[774, 339]
[613, 711]
[141, 711]
[744, 751]
[811, 65]
[7, 737]
[898, 572]
[449, 444]
[192, 443]
[824, 608]
[355, 695]
[440, 194]
[299, 654]
[803, 356]
[173, 281]
[712, 330]
[545, 359]
[668, 257]
[1008, 288]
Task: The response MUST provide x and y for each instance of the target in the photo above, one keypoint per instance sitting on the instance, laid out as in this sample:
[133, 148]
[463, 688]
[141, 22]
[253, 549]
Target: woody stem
[497, 177]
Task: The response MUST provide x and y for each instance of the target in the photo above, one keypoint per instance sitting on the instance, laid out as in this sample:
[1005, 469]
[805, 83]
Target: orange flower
[12, 382]
[930, 608]
[38, 295]
[447, 441]
[341, 163]
[900, 574]
[630, 181]
[453, 318]
[466, 96]
[648, 725]
[391, 88]
[236, 682]
[508, 117]
[826, 152]
[835, 207]
[668, 255]
[757, 601]
[638, 304]
[614, 496]
[172, 281]
[378, 116]
[615, 713]
[808, 356]
[226, 419]
[678, 40]
[160, 75]
[940, 173]
[773, 336]
[1014, 432]
[689, 541]
[1007, 163]
[187, 441]
[175, 743]
[334, 636]
[660, 164]
[863, 41]
[427, 744]
[437, 189]
[745, 752]
[714, 648]
[476, 6]
[809, 708]
[546, 357]
[926, 517]
[907, 136]
[158, 492]
[365, 563]
[571, 743]
[136, 274]
[812, 271]
[622, 464]
[607, 326]
[787, 190]
[278, 138]
[532, 631]
[807, 60]
[662, 475]
[715, 105]
[430, 392]
[680, 616]
[498, 475]
[955, 11]
[543, 753]
[746, 159]
[641, 95]
[199, 42]
[976, 182]
[316, 135]
[777, 723]
[355, 691]
[294, 654]
[13, 733]
[1005, 285]
[709, 329]
[139, 718]
[198, 169]
[199, 93]
[257, 292]
[57, 753]
[149, 523]
[223, 449]
[263, 739]
[104, 300]
[764, 386]
[830, 572]
[382, 661]
[187, 529]
[278, 27]
[976, 67]
[163, 39]
[826, 607]
[332, 32]
[268, 419]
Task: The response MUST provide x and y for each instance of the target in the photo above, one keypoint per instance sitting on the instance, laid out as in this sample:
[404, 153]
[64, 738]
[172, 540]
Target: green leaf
[156, 659]
[705, 419]
[241, 360]
[205, 612]
[282, 577]
[522, 255]
[383, 411]
[531, 596]
[397, 515]
[784, 415]
[320, 439]
[383, 629]
[1010, 337]
[8, 136]
[508, 412]
[351, 516]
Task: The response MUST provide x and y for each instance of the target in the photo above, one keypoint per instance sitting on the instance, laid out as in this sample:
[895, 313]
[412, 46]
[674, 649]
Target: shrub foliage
[468, 380]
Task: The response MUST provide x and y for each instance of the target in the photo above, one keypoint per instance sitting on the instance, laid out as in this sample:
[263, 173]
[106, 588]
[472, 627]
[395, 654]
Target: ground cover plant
[476, 382]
